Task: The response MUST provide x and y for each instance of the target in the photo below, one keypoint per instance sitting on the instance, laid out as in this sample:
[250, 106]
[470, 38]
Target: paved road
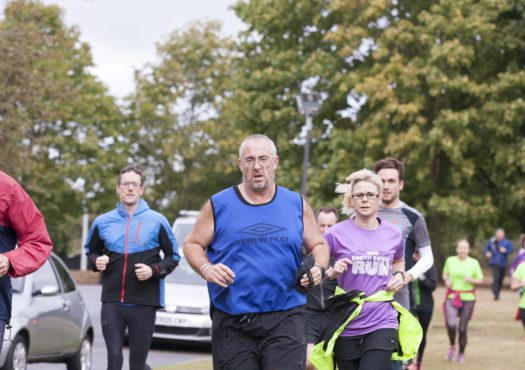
[160, 354]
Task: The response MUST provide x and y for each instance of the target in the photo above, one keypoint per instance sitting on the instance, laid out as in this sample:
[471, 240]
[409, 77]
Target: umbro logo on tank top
[261, 229]
[263, 233]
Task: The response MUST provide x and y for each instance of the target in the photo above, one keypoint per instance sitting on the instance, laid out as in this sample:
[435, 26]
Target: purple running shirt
[372, 253]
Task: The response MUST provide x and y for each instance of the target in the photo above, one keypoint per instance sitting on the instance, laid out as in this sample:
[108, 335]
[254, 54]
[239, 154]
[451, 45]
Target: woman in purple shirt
[369, 257]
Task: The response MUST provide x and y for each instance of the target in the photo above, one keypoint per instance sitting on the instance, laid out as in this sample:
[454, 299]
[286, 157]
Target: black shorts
[352, 348]
[268, 341]
[316, 322]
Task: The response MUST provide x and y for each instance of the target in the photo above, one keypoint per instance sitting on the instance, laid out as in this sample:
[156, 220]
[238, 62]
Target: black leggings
[522, 316]
[424, 319]
[372, 351]
[140, 321]
[375, 359]
[451, 314]
[498, 273]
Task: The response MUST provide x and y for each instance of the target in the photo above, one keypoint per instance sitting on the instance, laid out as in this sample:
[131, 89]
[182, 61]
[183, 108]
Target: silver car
[185, 317]
[49, 322]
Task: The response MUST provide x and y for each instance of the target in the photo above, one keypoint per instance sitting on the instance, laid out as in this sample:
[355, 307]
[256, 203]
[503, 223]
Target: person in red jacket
[24, 241]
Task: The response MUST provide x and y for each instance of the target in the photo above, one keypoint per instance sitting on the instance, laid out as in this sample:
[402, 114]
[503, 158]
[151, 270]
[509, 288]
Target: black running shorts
[267, 341]
[316, 322]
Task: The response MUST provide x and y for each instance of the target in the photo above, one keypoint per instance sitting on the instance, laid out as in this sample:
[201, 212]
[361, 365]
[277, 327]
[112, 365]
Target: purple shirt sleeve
[328, 237]
[399, 250]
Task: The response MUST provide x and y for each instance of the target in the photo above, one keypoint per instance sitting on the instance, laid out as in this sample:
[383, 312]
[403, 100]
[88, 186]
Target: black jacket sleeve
[171, 256]
[430, 279]
[96, 248]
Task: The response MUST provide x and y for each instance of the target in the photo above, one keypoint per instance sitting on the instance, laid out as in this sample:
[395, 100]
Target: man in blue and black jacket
[125, 244]
[498, 248]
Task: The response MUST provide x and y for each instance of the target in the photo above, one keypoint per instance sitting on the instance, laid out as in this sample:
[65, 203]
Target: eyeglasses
[367, 195]
[263, 161]
[126, 184]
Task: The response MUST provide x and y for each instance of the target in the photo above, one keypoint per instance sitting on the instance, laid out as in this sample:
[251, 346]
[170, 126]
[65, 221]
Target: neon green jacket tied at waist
[410, 332]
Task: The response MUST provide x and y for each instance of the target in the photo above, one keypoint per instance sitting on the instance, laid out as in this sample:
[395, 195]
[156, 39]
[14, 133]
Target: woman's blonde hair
[351, 180]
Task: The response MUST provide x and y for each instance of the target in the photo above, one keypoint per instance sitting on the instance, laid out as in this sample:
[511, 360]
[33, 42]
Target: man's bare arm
[195, 246]
[314, 244]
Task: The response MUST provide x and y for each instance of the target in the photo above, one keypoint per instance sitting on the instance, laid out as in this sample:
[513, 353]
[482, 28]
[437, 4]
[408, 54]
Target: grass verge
[495, 340]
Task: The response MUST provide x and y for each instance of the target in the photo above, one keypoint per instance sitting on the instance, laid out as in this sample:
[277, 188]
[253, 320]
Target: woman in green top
[460, 273]
[517, 282]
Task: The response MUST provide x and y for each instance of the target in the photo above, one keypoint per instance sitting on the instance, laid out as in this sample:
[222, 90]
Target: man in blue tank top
[247, 244]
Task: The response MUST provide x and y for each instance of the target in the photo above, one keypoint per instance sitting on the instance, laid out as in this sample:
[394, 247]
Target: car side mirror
[46, 291]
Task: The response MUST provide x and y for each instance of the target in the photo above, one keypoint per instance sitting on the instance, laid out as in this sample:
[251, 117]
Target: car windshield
[184, 274]
[17, 284]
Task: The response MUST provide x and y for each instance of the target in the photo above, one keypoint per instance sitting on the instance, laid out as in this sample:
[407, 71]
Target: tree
[178, 131]
[438, 84]
[56, 118]
[280, 54]
[443, 88]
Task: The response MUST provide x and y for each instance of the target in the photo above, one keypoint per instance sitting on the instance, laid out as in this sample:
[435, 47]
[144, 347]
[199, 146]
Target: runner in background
[497, 250]
[422, 306]
[316, 313]
[134, 249]
[460, 274]
[517, 283]
[410, 221]
[520, 256]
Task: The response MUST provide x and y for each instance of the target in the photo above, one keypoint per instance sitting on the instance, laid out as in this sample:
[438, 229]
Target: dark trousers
[498, 273]
[140, 321]
[424, 319]
[372, 351]
[265, 341]
[2, 329]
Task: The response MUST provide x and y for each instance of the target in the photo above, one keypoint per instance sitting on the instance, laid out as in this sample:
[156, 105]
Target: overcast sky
[122, 33]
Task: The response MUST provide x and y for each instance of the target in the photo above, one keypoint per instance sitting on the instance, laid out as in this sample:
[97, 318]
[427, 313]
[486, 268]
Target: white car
[186, 316]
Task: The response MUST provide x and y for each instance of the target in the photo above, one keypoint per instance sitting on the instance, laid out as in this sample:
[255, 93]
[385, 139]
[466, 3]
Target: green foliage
[55, 117]
[177, 127]
[443, 94]
[438, 84]
[282, 49]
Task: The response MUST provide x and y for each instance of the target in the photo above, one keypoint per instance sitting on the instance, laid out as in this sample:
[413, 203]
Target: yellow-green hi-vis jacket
[410, 332]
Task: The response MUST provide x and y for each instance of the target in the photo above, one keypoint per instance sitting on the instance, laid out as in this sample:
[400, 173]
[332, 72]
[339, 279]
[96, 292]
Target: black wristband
[323, 271]
[399, 272]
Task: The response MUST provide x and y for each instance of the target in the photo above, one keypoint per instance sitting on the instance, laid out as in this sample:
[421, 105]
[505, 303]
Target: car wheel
[17, 355]
[82, 359]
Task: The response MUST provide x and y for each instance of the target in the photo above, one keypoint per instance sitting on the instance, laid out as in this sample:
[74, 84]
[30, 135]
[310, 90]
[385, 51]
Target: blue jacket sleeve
[509, 246]
[488, 247]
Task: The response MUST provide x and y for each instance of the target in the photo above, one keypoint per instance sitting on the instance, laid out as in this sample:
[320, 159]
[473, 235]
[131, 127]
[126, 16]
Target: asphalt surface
[161, 354]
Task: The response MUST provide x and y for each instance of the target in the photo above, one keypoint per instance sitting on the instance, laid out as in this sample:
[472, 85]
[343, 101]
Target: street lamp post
[309, 105]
